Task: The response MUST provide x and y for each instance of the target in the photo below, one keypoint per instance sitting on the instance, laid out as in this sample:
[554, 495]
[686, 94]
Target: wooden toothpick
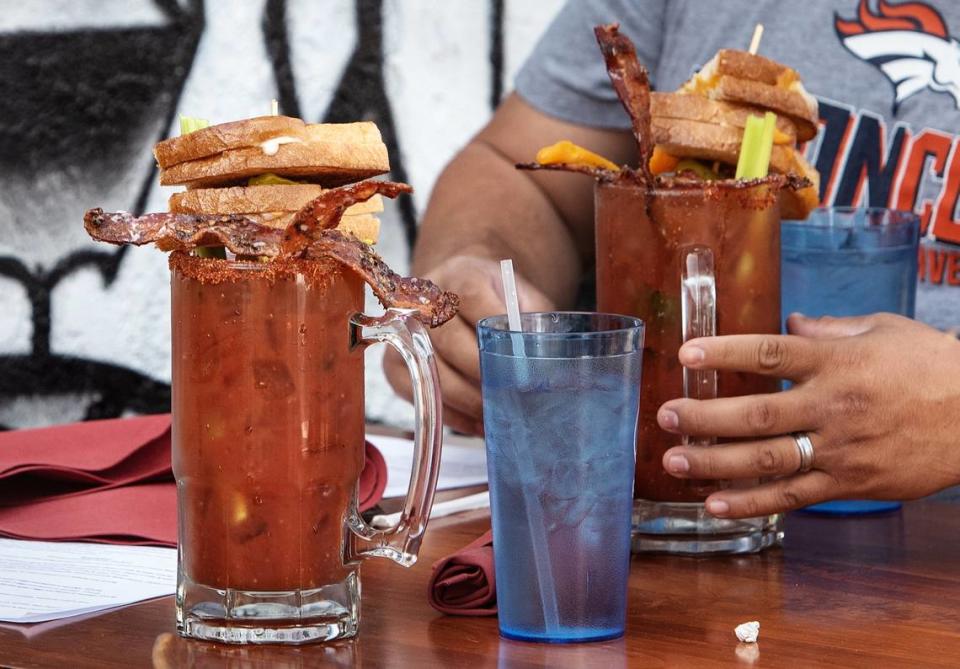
[755, 42]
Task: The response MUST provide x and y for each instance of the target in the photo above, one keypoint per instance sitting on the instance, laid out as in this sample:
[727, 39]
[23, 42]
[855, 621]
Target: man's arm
[483, 209]
[544, 220]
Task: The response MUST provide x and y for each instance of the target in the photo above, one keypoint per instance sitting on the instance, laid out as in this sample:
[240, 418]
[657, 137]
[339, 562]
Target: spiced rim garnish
[631, 81]
[325, 211]
[311, 236]
[184, 232]
[598, 173]
[433, 305]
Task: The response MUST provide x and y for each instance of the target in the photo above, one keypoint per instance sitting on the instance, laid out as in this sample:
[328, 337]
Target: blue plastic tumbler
[847, 261]
[560, 405]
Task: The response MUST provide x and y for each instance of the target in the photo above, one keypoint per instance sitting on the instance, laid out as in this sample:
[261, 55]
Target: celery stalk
[190, 124]
[757, 145]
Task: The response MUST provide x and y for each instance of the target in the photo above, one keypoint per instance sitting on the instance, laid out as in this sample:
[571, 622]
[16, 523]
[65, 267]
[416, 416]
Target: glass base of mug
[685, 528]
[290, 617]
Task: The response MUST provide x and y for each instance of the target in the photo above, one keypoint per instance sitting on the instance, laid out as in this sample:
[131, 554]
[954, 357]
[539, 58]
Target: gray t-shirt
[888, 82]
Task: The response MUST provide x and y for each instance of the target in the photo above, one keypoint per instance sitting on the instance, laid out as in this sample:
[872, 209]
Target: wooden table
[871, 592]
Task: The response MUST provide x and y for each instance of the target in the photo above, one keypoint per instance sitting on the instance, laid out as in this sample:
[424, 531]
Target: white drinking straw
[510, 295]
[274, 108]
[755, 42]
[535, 519]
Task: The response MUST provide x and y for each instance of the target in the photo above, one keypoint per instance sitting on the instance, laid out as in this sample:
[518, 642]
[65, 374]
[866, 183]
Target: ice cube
[869, 238]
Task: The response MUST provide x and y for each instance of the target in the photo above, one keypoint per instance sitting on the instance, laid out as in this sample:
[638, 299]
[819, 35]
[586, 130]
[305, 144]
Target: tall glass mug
[268, 446]
[690, 260]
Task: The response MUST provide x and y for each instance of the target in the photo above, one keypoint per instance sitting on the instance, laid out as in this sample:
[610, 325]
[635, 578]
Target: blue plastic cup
[849, 261]
[560, 406]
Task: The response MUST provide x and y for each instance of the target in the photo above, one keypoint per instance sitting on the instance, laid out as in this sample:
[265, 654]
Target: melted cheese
[567, 152]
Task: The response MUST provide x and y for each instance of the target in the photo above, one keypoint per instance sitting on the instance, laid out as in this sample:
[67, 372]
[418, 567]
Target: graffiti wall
[91, 85]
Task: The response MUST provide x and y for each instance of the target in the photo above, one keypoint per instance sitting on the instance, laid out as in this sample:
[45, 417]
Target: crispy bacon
[632, 84]
[606, 176]
[309, 236]
[183, 232]
[433, 306]
[325, 211]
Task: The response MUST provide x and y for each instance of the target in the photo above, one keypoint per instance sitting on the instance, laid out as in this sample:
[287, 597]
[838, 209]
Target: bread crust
[799, 107]
[746, 65]
[215, 139]
[365, 227]
[710, 141]
[689, 106]
[326, 162]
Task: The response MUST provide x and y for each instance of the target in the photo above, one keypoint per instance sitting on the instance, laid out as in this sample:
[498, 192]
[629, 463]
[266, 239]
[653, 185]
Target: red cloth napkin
[465, 584]
[141, 514]
[107, 481]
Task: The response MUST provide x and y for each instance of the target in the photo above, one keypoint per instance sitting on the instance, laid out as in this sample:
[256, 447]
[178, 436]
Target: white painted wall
[438, 77]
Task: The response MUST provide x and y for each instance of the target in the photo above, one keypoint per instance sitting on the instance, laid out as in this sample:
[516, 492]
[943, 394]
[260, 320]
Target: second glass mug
[268, 446]
[691, 260]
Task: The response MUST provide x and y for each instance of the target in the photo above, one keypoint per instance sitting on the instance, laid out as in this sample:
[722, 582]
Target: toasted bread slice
[686, 106]
[365, 227]
[226, 136]
[797, 104]
[710, 141]
[276, 205]
[258, 199]
[754, 67]
[333, 154]
[741, 77]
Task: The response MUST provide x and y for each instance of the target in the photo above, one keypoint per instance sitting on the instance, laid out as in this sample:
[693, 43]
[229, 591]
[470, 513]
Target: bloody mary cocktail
[643, 237]
[267, 420]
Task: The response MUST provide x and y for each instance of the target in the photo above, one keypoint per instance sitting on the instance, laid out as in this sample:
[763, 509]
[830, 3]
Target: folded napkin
[464, 584]
[107, 481]
[80, 456]
[143, 514]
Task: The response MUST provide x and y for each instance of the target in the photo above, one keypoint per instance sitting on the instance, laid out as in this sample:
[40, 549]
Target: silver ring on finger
[805, 449]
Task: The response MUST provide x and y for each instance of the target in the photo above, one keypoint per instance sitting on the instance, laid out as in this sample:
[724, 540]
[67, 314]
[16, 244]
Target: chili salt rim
[214, 270]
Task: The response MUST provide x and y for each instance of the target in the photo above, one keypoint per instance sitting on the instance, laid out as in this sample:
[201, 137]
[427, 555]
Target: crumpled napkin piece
[748, 632]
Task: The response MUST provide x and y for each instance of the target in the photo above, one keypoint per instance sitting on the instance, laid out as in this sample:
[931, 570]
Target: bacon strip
[184, 232]
[622, 175]
[632, 84]
[325, 212]
[309, 236]
[434, 306]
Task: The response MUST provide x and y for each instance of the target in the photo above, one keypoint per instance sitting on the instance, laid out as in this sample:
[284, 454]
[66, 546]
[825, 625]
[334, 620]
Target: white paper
[461, 465]
[42, 580]
[480, 500]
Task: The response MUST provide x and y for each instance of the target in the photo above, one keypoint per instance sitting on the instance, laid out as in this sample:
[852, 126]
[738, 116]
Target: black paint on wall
[497, 16]
[81, 98]
[362, 94]
[278, 48]
[74, 102]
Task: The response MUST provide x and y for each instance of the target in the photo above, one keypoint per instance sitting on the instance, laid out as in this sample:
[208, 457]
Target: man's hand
[877, 395]
[477, 282]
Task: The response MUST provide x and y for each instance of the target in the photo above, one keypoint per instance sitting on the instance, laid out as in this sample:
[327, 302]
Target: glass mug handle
[401, 543]
[698, 309]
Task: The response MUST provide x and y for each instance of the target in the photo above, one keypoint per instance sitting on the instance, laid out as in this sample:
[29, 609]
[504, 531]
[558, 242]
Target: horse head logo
[909, 43]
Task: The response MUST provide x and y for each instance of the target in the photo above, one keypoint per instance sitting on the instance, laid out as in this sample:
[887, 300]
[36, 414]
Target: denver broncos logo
[909, 43]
